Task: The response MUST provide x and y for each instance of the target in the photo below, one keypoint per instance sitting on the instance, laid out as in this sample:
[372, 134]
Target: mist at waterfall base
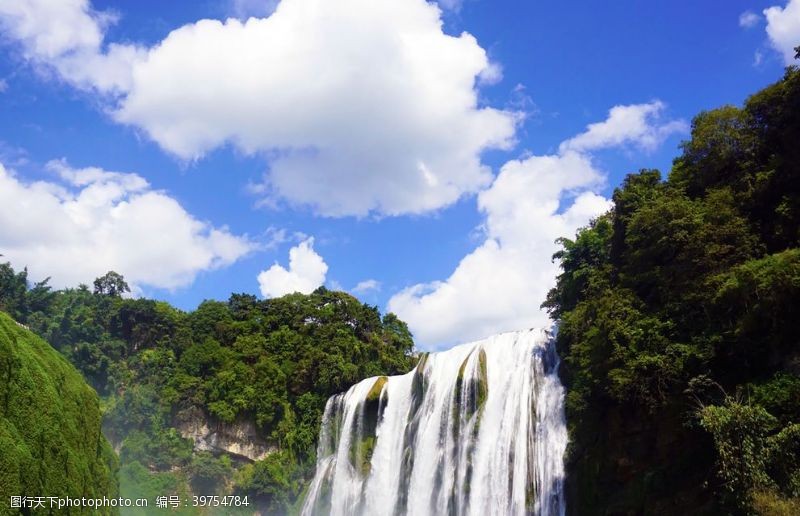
[478, 429]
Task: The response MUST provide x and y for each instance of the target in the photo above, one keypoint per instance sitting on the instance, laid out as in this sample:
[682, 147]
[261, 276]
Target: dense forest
[266, 365]
[680, 324]
[51, 443]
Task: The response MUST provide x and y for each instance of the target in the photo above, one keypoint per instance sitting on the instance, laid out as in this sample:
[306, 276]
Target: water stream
[475, 430]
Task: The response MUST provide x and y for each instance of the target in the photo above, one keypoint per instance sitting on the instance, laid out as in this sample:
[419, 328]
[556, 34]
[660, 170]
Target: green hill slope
[50, 438]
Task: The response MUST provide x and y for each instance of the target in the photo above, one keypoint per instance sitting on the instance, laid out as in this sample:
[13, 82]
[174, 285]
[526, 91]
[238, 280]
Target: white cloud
[50, 30]
[365, 105]
[3, 85]
[306, 272]
[369, 285]
[783, 29]
[500, 285]
[640, 125]
[758, 58]
[533, 201]
[492, 74]
[360, 106]
[67, 35]
[749, 19]
[90, 221]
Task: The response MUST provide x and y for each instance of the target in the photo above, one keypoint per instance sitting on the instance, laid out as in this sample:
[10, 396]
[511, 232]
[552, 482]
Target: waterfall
[478, 429]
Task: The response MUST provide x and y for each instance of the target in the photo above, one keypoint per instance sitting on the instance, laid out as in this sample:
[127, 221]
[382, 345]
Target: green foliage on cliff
[679, 320]
[272, 363]
[50, 438]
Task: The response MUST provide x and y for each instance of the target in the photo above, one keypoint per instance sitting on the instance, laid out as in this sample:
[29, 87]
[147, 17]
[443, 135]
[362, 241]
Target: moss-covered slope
[50, 438]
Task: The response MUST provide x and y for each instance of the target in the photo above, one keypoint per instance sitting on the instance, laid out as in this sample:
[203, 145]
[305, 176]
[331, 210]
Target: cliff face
[239, 438]
[50, 438]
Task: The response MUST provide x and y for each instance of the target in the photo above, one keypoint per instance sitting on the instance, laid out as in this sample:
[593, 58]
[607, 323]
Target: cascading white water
[478, 429]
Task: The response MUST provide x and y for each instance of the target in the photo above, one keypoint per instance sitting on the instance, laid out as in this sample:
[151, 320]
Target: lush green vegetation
[269, 363]
[51, 443]
[680, 325]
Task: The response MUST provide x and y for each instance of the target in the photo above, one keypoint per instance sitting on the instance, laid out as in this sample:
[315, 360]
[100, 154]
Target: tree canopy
[271, 363]
[679, 314]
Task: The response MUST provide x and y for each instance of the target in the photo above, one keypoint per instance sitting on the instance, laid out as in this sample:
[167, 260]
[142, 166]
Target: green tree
[13, 287]
[111, 284]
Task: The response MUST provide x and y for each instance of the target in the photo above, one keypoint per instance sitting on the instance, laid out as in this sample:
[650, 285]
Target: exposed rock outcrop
[239, 438]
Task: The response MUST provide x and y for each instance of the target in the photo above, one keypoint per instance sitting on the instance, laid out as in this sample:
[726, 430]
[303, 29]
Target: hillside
[50, 423]
[226, 399]
[680, 316]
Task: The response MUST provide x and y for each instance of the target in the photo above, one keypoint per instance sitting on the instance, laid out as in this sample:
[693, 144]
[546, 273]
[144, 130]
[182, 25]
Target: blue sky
[433, 165]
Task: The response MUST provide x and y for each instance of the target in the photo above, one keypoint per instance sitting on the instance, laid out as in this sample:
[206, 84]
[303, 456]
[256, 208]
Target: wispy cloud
[369, 285]
[749, 19]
